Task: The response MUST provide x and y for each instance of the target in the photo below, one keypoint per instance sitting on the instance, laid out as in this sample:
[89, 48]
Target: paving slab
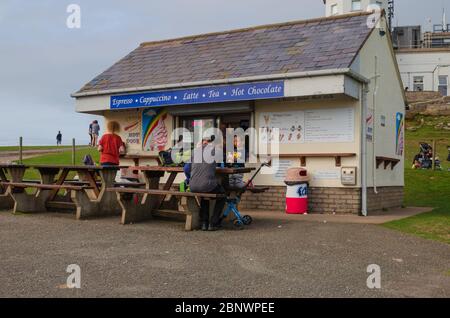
[378, 217]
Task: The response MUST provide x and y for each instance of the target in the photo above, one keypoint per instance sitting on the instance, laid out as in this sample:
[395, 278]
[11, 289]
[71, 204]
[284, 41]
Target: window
[418, 83]
[334, 9]
[443, 85]
[356, 5]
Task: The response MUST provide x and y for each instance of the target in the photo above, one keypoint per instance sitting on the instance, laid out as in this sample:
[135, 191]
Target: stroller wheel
[247, 219]
[238, 224]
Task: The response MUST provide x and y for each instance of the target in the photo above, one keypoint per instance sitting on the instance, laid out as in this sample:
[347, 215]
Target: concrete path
[373, 218]
[271, 258]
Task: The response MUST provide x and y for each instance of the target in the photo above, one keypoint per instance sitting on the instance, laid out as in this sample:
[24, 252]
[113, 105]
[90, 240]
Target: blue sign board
[200, 95]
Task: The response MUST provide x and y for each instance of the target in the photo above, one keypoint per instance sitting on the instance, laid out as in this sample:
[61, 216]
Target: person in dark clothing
[203, 180]
[90, 134]
[59, 138]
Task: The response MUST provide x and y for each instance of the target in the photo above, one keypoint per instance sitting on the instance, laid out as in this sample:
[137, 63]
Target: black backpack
[166, 157]
[88, 161]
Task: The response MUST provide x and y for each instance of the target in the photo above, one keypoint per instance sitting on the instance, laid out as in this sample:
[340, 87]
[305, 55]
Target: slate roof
[310, 45]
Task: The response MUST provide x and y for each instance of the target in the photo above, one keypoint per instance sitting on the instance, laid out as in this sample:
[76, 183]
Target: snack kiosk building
[330, 85]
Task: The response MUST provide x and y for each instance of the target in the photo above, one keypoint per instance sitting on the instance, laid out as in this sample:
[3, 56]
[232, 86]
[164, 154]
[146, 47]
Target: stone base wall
[387, 198]
[326, 200]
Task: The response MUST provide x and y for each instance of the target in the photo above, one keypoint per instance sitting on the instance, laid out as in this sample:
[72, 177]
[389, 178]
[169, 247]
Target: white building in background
[425, 69]
[423, 59]
[337, 7]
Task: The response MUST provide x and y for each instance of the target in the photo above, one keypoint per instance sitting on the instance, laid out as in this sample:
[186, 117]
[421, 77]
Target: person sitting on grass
[111, 145]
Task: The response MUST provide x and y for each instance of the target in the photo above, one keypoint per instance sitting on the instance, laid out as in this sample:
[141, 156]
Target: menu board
[330, 125]
[309, 126]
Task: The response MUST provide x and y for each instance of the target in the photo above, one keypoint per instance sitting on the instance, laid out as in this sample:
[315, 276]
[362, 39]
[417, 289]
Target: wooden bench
[39, 201]
[146, 203]
[24, 185]
[116, 184]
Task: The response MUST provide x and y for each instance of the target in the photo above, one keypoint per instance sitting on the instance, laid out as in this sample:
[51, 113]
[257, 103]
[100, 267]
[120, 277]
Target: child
[236, 159]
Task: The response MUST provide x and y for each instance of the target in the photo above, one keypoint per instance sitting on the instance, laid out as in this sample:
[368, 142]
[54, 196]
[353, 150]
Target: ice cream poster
[154, 131]
[400, 131]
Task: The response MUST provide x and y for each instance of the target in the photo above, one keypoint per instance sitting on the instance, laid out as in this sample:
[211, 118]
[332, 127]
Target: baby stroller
[424, 159]
[235, 197]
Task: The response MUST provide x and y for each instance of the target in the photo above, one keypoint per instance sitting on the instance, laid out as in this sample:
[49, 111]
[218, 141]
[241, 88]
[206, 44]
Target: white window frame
[418, 81]
[442, 85]
[334, 9]
[354, 2]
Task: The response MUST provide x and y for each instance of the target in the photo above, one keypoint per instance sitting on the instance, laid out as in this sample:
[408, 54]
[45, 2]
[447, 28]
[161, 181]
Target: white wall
[315, 166]
[388, 101]
[429, 64]
[345, 6]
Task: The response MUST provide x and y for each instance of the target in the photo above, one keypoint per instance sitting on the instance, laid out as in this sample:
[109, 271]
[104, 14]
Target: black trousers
[218, 209]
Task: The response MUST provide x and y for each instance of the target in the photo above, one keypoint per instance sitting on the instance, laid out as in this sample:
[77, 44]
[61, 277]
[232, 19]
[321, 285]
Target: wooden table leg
[47, 177]
[103, 203]
[89, 177]
[16, 174]
[3, 178]
[191, 207]
[24, 202]
[6, 201]
[62, 177]
[167, 186]
[141, 206]
[3, 175]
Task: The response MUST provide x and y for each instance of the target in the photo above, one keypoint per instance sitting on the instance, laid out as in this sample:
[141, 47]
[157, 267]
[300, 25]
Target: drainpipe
[374, 101]
[364, 92]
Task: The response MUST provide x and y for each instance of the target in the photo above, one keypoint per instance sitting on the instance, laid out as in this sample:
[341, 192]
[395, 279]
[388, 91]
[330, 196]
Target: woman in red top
[111, 145]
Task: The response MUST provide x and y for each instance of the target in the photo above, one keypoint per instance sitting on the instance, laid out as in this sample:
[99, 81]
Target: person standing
[95, 133]
[203, 180]
[111, 145]
[59, 138]
[90, 135]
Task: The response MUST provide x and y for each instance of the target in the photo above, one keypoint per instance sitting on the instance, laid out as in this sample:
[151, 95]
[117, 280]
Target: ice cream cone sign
[154, 130]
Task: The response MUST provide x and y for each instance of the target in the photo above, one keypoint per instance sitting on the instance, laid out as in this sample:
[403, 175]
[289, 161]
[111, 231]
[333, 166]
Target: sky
[42, 61]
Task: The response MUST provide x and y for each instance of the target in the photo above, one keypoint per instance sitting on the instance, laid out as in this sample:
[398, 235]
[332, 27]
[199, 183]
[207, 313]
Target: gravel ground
[271, 258]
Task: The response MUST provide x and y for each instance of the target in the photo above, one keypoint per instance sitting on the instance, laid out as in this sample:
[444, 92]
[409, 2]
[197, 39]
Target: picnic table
[153, 200]
[6, 202]
[88, 196]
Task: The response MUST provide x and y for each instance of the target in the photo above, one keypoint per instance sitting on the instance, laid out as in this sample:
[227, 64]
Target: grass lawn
[427, 188]
[63, 158]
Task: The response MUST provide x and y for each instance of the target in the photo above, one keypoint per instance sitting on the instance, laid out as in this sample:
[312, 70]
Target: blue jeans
[108, 164]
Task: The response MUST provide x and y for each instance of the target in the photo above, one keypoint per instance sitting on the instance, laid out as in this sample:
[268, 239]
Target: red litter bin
[297, 191]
